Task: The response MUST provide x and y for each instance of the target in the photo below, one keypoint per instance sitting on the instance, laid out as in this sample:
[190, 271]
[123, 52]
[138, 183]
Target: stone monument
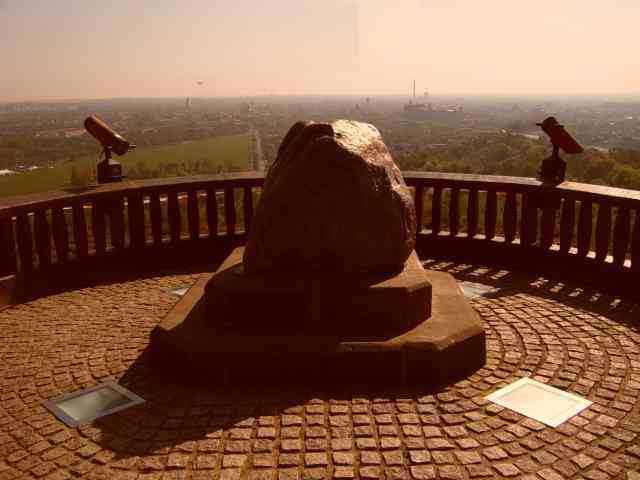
[333, 200]
[329, 286]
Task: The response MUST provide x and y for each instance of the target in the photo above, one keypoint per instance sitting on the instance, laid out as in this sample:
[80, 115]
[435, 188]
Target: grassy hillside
[213, 155]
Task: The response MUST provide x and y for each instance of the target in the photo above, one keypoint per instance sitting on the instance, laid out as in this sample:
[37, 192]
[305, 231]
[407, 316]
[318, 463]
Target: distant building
[74, 133]
[426, 111]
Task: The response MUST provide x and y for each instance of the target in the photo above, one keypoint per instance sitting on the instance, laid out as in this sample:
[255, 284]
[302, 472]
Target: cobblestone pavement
[569, 337]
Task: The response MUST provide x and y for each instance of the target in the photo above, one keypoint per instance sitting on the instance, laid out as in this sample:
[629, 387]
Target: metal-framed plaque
[84, 406]
[541, 402]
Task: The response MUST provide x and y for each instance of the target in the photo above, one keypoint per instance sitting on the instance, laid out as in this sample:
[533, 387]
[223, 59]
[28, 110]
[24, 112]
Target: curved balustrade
[574, 225]
[39, 232]
[458, 214]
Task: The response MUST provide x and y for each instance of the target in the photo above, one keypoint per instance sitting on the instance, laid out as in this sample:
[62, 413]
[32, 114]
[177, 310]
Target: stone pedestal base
[364, 306]
[231, 327]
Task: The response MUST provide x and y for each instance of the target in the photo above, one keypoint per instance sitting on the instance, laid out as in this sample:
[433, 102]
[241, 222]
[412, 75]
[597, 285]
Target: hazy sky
[53, 49]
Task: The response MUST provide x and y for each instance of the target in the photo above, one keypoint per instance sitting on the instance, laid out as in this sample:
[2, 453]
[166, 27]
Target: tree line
[514, 155]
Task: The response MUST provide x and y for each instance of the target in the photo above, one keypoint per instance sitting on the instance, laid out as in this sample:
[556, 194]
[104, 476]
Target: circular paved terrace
[573, 338]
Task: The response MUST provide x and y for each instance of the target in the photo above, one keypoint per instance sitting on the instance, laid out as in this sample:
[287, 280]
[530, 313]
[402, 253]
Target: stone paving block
[289, 459]
[317, 473]
[387, 443]
[341, 444]
[549, 474]
[443, 457]
[263, 460]
[438, 444]
[343, 472]
[393, 458]
[419, 456]
[583, 461]
[467, 443]
[450, 472]
[423, 472]
[288, 474]
[315, 459]
[468, 458]
[370, 472]
[341, 458]
[370, 458]
[366, 443]
[476, 471]
[262, 474]
[413, 443]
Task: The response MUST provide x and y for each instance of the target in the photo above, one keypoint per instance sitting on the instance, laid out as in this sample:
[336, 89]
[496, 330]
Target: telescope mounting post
[109, 170]
[553, 168]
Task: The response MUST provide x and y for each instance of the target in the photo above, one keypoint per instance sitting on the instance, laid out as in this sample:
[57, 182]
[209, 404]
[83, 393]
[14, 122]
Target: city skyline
[78, 50]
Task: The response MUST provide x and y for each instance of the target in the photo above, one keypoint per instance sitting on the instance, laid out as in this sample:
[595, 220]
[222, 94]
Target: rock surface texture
[333, 200]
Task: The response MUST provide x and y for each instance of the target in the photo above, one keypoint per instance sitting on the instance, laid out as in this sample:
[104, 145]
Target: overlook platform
[559, 333]
[567, 317]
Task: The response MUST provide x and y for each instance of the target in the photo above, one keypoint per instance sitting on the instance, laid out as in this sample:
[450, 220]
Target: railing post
[621, 232]
[603, 231]
[585, 224]
[436, 206]
[25, 243]
[80, 231]
[472, 213]
[510, 217]
[137, 235]
[155, 214]
[230, 210]
[567, 222]
[528, 220]
[193, 215]
[417, 202]
[8, 264]
[454, 212]
[635, 243]
[43, 238]
[490, 214]
[212, 213]
[247, 208]
[116, 217]
[99, 227]
[550, 204]
[60, 234]
[173, 210]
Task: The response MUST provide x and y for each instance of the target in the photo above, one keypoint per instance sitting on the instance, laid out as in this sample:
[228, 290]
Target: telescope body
[559, 136]
[106, 136]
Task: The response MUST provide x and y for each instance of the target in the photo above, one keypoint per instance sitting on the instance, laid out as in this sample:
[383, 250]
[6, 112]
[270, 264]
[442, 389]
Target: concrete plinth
[354, 305]
[412, 326]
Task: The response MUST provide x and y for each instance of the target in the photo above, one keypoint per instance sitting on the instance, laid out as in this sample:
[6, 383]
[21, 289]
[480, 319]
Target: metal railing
[457, 214]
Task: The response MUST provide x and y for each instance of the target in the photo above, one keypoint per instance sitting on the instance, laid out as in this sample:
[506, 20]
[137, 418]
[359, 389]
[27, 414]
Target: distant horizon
[557, 96]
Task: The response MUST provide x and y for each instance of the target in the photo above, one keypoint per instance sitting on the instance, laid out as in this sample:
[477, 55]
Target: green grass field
[213, 155]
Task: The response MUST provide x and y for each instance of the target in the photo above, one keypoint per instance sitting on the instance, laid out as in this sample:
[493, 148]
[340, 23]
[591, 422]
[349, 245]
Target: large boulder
[333, 200]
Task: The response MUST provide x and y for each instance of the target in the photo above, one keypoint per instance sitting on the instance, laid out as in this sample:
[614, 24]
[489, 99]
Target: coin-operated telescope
[108, 170]
[553, 168]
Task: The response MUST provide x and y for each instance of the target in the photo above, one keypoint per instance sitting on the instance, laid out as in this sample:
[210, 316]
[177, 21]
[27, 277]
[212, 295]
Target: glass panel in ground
[90, 405]
[540, 403]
